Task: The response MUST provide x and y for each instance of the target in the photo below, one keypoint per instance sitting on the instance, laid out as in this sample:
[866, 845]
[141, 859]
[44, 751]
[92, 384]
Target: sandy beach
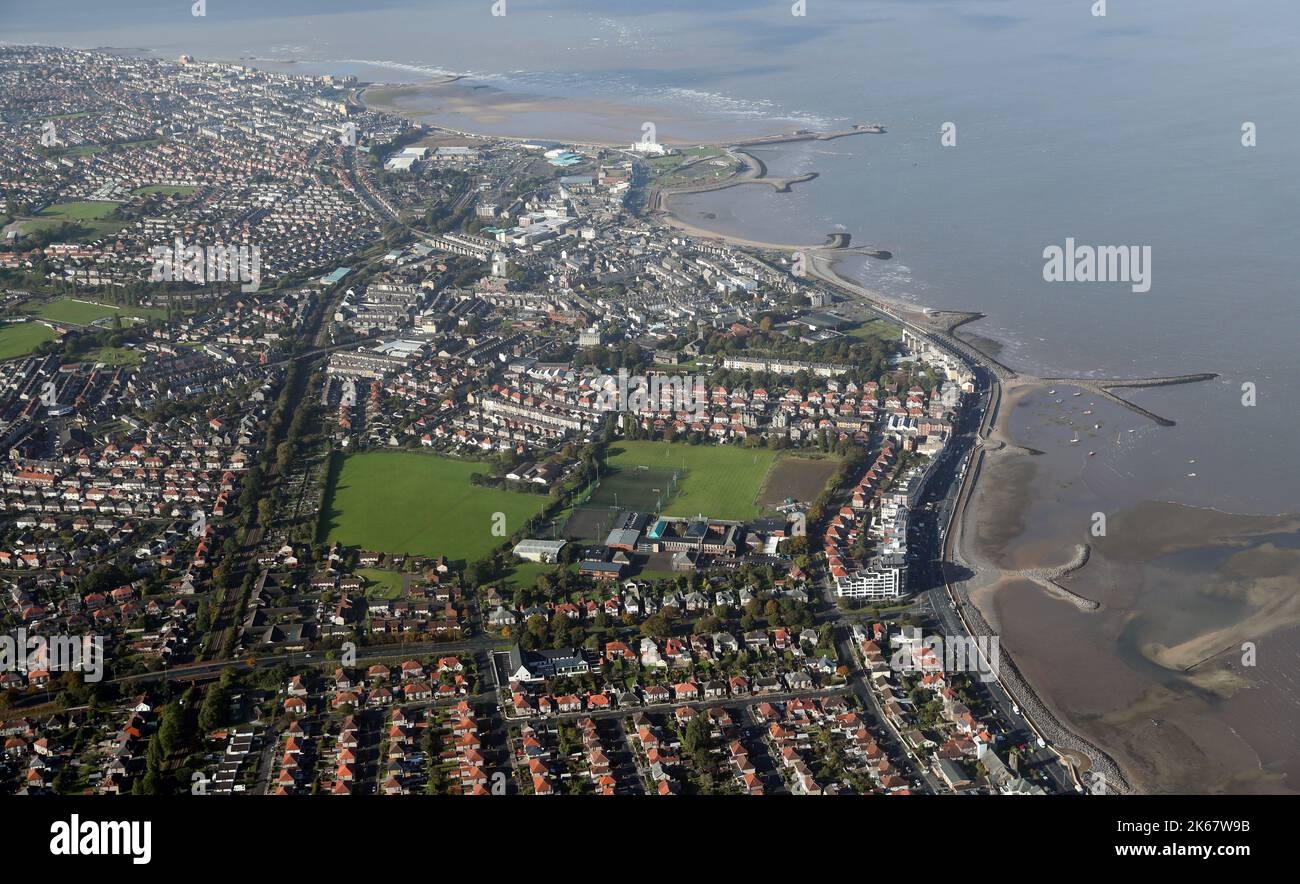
[1154, 674]
[463, 105]
[671, 220]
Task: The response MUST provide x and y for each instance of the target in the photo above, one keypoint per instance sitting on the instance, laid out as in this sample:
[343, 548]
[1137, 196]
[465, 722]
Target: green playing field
[405, 502]
[721, 481]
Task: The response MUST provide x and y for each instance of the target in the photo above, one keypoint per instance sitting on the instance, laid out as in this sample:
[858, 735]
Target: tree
[171, 733]
[213, 712]
[476, 574]
[66, 779]
[103, 579]
[794, 545]
[283, 456]
[656, 626]
[536, 628]
[695, 736]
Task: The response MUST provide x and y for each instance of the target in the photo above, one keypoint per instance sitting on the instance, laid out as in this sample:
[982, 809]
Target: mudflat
[1186, 671]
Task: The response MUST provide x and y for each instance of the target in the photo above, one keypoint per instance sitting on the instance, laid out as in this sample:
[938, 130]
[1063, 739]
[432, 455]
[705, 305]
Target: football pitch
[402, 502]
[21, 338]
[641, 488]
[720, 481]
[80, 312]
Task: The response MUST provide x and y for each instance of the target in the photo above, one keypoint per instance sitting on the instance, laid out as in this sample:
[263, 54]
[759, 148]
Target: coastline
[668, 219]
[491, 112]
[978, 600]
[1079, 754]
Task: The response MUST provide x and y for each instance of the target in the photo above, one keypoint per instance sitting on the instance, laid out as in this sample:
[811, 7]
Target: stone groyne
[1105, 389]
[1048, 579]
[1036, 712]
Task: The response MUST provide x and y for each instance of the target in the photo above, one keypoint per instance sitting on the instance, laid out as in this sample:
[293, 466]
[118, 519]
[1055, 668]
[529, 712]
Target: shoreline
[1077, 752]
[509, 104]
[669, 219]
[1007, 387]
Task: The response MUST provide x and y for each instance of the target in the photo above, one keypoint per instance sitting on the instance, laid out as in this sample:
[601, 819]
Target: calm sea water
[1123, 130]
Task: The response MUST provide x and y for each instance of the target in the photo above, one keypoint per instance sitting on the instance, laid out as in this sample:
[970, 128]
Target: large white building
[652, 148]
[547, 551]
[884, 578]
[401, 163]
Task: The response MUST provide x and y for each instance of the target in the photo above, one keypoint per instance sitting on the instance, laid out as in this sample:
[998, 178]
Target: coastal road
[943, 492]
[931, 517]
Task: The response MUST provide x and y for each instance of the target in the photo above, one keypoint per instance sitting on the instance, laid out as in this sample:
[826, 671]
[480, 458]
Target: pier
[860, 129]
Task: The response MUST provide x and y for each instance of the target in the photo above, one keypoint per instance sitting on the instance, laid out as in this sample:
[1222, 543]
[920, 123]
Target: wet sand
[670, 219]
[1155, 675]
[465, 106]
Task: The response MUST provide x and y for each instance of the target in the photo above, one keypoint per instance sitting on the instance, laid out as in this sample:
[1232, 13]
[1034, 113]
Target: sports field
[169, 189]
[643, 488]
[80, 312]
[797, 478]
[93, 215]
[636, 487]
[21, 338]
[877, 329]
[720, 481]
[79, 211]
[403, 502]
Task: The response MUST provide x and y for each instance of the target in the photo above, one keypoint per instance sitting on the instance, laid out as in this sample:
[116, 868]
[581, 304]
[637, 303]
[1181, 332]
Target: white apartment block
[886, 578]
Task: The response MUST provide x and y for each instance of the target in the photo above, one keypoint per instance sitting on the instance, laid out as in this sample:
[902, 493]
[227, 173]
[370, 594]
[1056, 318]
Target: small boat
[1075, 440]
[1092, 454]
[1191, 461]
[1089, 411]
[1051, 392]
[1076, 394]
[1096, 426]
[1191, 475]
[1058, 401]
